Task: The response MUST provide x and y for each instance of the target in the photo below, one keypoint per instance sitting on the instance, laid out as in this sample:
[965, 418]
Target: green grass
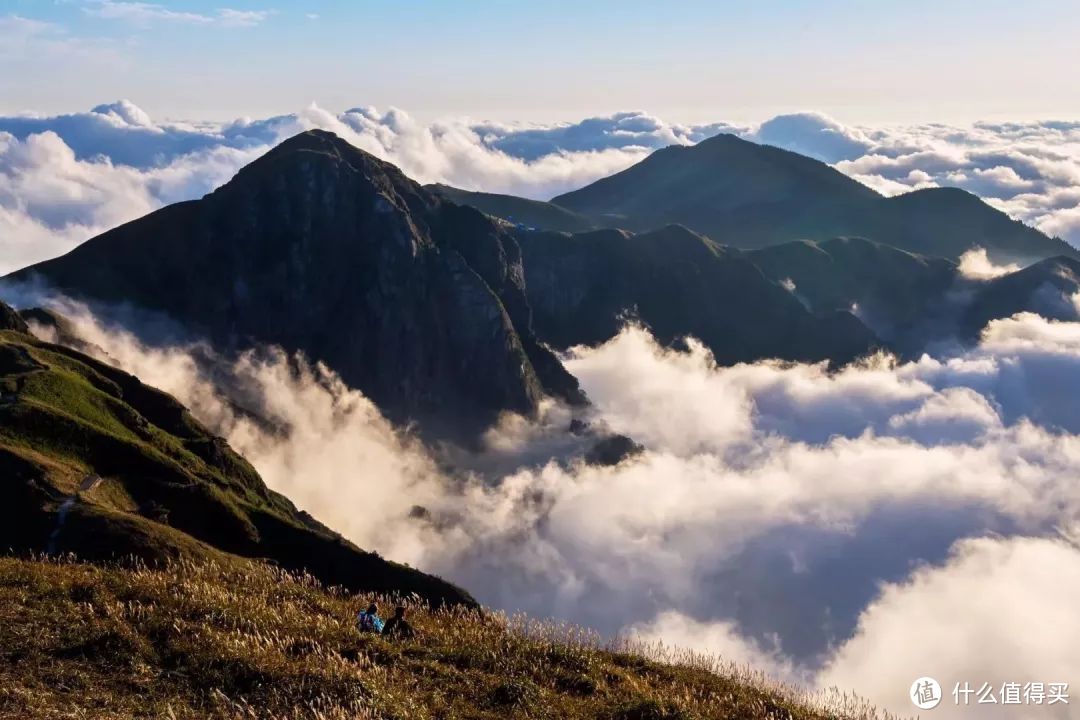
[168, 486]
[87, 414]
[204, 640]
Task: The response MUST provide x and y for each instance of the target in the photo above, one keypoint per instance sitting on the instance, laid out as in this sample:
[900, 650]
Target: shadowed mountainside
[1048, 288]
[94, 462]
[891, 290]
[913, 300]
[678, 283]
[517, 210]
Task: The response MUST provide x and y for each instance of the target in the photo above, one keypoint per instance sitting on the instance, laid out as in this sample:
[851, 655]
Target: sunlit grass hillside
[95, 462]
[202, 640]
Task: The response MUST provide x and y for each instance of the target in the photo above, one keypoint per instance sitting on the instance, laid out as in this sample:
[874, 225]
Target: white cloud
[50, 200]
[242, 18]
[975, 264]
[143, 14]
[1029, 170]
[1062, 223]
[813, 134]
[28, 45]
[999, 610]
[16, 27]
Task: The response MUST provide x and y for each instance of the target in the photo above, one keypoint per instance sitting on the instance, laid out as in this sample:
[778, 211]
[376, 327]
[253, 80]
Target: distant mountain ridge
[912, 301]
[893, 291]
[583, 287]
[1049, 288]
[518, 211]
[748, 195]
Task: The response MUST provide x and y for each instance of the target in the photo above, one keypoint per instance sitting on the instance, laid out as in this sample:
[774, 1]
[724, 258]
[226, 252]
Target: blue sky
[947, 60]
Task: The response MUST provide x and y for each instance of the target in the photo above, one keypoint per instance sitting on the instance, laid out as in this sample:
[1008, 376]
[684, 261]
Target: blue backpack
[369, 622]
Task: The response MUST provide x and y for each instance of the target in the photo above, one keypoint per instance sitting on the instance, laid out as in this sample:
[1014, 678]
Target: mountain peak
[322, 248]
[730, 139]
[314, 140]
[317, 174]
[941, 195]
[328, 145]
[732, 190]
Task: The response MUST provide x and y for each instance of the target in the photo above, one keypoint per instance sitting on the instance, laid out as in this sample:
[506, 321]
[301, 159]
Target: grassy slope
[195, 640]
[169, 487]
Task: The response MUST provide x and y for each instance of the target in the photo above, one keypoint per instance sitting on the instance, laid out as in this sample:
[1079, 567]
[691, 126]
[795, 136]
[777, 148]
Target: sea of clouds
[853, 529]
[856, 529]
[66, 178]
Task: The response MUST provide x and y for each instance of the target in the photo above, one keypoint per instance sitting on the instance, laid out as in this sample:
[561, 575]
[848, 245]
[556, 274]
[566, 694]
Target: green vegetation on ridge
[93, 461]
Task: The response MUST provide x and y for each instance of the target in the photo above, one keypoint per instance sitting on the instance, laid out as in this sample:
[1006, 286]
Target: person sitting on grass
[369, 620]
[398, 627]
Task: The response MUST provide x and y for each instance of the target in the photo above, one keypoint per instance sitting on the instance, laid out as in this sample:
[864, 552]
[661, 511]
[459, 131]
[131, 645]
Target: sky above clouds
[691, 61]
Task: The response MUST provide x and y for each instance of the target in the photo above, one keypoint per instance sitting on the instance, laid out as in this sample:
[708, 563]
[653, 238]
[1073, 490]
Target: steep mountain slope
[893, 291]
[678, 283]
[949, 221]
[516, 210]
[912, 300]
[320, 247]
[94, 462]
[750, 196]
[1048, 288]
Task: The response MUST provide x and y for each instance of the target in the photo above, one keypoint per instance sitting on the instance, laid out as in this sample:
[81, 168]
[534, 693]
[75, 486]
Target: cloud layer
[115, 162]
[143, 13]
[855, 529]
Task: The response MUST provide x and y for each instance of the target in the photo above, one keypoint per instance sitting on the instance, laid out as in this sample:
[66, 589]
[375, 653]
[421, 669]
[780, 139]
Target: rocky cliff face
[900, 295]
[678, 283]
[320, 247]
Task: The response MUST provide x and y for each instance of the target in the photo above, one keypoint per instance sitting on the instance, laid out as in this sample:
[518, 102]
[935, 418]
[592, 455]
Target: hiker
[398, 627]
[369, 620]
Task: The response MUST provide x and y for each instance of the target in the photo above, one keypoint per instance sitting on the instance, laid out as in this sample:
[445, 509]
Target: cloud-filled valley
[66, 178]
[804, 521]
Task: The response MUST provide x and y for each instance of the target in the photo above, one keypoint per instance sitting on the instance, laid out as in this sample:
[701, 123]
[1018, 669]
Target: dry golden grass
[198, 640]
